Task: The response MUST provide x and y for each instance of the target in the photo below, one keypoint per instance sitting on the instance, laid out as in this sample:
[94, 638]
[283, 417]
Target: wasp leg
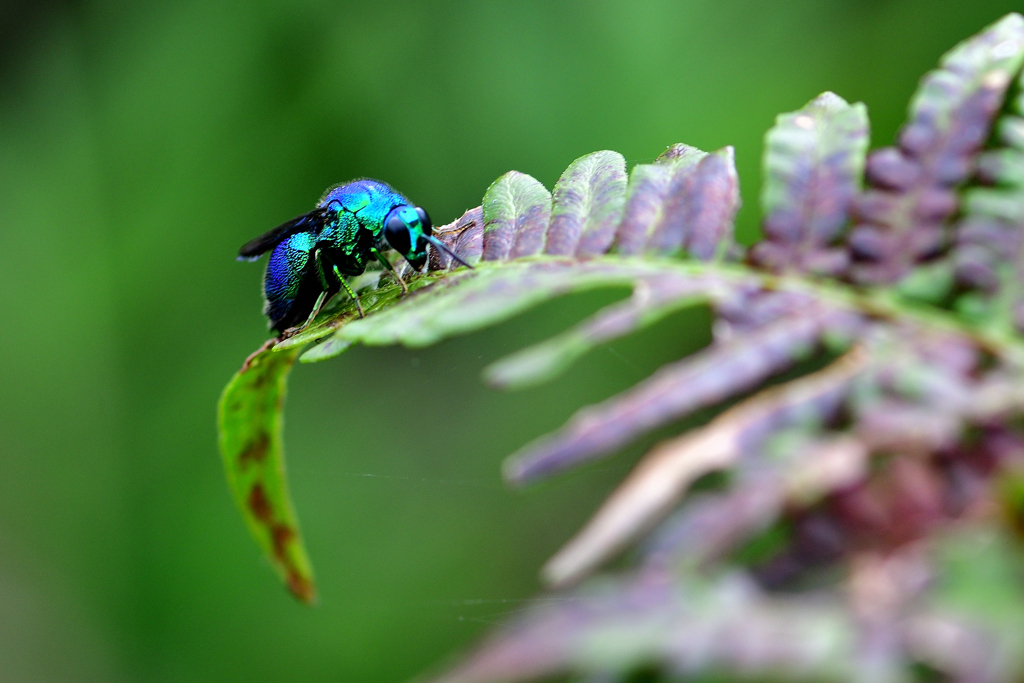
[325, 294]
[316, 310]
[355, 298]
[320, 270]
[320, 300]
[380, 257]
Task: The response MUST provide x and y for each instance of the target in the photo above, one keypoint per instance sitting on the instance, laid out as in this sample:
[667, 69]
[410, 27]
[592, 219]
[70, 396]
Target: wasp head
[408, 230]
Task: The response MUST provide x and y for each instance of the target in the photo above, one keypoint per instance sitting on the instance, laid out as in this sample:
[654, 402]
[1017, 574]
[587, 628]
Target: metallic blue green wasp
[313, 254]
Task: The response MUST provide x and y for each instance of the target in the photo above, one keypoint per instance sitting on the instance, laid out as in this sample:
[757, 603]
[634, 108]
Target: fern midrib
[876, 302]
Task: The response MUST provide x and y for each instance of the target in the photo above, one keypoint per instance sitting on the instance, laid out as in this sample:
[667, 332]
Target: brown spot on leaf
[281, 535]
[255, 451]
[259, 505]
[300, 586]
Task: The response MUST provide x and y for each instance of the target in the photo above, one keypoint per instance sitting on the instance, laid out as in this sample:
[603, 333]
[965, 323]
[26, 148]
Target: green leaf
[813, 162]
[903, 215]
[589, 200]
[705, 378]
[470, 300]
[650, 186]
[712, 628]
[686, 200]
[931, 282]
[978, 573]
[704, 208]
[977, 583]
[924, 385]
[328, 348]
[985, 62]
[517, 210]
[988, 256]
[464, 236]
[250, 422]
[542, 362]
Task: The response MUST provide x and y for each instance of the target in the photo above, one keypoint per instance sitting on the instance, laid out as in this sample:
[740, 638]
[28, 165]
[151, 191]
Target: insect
[311, 255]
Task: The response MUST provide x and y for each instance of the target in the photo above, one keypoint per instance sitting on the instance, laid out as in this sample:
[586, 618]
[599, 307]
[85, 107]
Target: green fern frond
[869, 479]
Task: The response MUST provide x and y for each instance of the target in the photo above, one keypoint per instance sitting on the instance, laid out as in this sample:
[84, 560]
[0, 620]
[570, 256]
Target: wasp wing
[312, 221]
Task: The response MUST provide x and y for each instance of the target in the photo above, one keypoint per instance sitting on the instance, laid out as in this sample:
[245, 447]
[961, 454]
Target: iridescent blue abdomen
[283, 280]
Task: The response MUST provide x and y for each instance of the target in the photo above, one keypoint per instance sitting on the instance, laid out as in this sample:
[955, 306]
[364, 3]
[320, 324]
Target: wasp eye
[396, 231]
[428, 227]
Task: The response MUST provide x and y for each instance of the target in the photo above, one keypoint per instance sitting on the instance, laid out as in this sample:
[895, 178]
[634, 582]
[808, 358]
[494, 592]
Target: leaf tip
[557, 574]
[302, 588]
[514, 471]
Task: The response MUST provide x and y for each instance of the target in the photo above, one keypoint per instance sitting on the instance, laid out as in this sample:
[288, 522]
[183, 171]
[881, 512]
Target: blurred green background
[142, 143]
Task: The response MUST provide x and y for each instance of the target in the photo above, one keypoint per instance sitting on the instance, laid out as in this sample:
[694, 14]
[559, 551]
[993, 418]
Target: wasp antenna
[444, 247]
